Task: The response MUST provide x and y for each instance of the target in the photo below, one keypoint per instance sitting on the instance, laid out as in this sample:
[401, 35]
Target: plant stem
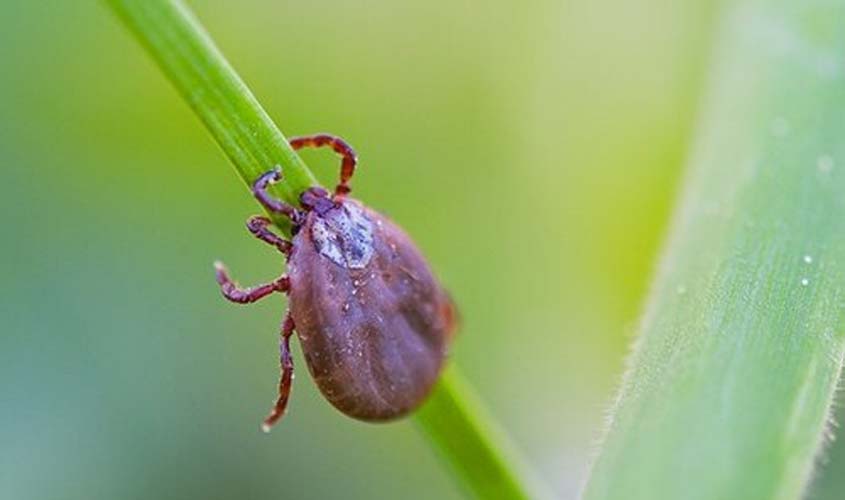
[731, 382]
[247, 135]
[454, 422]
[457, 424]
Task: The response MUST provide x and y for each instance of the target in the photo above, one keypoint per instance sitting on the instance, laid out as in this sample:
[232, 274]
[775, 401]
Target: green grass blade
[185, 52]
[452, 419]
[729, 390]
[457, 423]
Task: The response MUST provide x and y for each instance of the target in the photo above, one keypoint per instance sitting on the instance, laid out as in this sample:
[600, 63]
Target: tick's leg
[347, 164]
[259, 190]
[247, 295]
[259, 226]
[286, 378]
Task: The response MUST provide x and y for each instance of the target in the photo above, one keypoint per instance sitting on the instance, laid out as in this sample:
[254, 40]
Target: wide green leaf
[730, 385]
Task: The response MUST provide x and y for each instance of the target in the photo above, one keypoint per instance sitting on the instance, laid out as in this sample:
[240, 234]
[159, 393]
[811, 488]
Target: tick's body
[368, 313]
[373, 322]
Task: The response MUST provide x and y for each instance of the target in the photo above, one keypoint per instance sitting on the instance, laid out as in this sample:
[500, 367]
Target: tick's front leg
[286, 378]
[247, 295]
[348, 157]
[259, 190]
[259, 226]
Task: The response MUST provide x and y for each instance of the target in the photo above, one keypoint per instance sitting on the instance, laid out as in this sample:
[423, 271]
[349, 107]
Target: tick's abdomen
[372, 320]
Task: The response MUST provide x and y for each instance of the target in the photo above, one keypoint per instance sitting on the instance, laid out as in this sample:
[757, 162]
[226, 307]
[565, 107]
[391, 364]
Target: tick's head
[316, 199]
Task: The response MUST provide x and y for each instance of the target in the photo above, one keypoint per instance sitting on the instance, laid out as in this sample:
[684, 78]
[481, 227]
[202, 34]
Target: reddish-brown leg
[347, 164]
[286, 378]
[247, 295]
[259, 190]
[259, 226]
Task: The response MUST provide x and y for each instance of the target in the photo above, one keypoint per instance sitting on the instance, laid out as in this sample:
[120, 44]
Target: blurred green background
[532, 150]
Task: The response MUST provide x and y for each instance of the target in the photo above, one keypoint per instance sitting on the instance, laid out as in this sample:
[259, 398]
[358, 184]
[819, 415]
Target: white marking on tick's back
[344, 236]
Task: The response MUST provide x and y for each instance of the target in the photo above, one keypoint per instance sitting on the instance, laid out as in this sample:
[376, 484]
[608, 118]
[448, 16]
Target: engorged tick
[373, 322]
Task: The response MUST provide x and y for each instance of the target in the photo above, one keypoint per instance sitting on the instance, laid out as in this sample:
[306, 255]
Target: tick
[372, 320]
